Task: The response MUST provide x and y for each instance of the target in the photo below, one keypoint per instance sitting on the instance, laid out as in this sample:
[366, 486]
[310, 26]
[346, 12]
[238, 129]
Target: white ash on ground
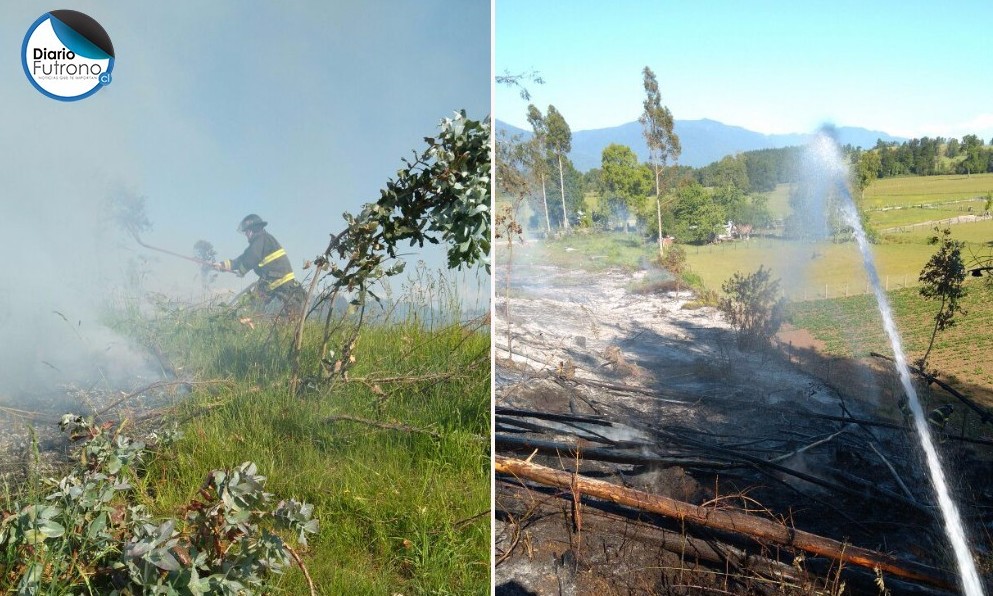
[657, 390]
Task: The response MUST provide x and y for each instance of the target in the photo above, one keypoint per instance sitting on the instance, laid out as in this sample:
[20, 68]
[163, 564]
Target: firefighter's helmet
[940, 415]
[252, 222]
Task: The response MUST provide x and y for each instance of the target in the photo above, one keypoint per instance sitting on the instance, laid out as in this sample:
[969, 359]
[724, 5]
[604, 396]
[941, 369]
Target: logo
[67, 55]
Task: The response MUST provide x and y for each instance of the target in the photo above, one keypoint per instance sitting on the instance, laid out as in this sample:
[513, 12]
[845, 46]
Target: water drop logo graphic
[67, 55]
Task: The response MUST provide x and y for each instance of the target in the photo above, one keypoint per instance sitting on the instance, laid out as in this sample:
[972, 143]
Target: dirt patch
[800, 338]
[636, 390]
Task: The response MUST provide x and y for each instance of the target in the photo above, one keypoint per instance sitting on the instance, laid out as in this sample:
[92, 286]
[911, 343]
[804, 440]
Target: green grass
[915, 214]
[400, 511]
[915, 190]
[852, 327]
[779, 201]
[808, 269]
[584, 251]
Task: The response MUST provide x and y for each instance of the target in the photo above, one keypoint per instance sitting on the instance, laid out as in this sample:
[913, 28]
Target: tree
[697, 217]
[572, 180]
[205, 252]
[663, 143]
[867, 168]
[539, 149]
[754, 306]
[517, 80]
[620, 178]
[559, 143]
[442, 197]
[953, 148]
[512, 159]
[942, 279]
[731, 170]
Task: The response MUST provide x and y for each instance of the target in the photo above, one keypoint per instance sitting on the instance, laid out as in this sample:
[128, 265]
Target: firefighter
[904, 406]
[938, 418]
[277, 290]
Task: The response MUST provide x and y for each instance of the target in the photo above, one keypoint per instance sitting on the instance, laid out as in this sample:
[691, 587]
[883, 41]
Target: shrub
[754, 306]
[93, 535]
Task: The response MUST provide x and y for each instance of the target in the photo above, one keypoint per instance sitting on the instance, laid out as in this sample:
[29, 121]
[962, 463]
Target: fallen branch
[600, 420]
[306, 574]
[675, 396]
[155, 385]
[27, 415]
[900, 427]
[806, 447]
[383, 425]
[881, 491]
[617, 456]
[730, 521]
[896, 476]
[985, 416]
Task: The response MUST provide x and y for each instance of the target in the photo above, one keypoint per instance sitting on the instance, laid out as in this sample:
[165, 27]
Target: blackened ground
[675, 387]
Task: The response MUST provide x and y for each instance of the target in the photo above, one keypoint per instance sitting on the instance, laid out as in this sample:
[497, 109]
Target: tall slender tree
[663, 142]
[559, 143]
[538, 155]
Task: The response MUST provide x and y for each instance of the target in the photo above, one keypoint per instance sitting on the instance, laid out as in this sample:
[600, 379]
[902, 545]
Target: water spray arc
[829, 158]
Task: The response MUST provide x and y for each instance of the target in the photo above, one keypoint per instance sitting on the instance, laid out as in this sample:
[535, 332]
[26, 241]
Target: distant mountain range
[703, 141]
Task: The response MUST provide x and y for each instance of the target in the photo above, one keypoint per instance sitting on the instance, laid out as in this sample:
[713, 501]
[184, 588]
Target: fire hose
[175, 254]
[201, 262]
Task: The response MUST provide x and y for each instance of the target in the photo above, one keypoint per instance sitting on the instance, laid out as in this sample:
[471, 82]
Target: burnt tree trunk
[730, 521]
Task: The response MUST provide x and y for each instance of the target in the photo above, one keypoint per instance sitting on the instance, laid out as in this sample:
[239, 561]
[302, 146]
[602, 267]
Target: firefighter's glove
[222, 266]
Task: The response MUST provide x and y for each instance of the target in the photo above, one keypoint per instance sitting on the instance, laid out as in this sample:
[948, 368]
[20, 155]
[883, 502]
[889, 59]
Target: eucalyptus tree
[538, 154]
[559, 143]
[663, 142]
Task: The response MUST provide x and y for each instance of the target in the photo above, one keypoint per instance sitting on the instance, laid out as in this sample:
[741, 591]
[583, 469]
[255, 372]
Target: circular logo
[67, 55]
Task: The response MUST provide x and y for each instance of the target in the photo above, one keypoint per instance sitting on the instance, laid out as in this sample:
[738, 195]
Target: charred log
[728, 521]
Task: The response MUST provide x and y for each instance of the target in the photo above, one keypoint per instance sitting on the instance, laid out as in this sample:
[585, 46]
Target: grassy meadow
[401, 511]
[906, 191]
[829, 270]
[852, 327]
[395, 459]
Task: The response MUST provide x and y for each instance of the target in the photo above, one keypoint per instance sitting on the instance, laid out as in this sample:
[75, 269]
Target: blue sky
[908, 68]
[297, 111]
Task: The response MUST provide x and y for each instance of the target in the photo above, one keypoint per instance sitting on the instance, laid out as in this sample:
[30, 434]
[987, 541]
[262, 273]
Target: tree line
[661, 198]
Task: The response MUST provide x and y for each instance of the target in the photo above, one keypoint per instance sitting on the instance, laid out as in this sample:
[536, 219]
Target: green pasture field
[807, 268]
[808, 271]
[779, 201]
[909, 216]
[586, 251]
[852, 327]
[915, 190]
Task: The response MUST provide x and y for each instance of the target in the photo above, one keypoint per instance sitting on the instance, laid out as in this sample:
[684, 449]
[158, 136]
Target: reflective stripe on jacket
[267, 258]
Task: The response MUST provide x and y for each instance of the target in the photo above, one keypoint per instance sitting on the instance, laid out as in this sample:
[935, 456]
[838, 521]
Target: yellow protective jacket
[266, 257]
